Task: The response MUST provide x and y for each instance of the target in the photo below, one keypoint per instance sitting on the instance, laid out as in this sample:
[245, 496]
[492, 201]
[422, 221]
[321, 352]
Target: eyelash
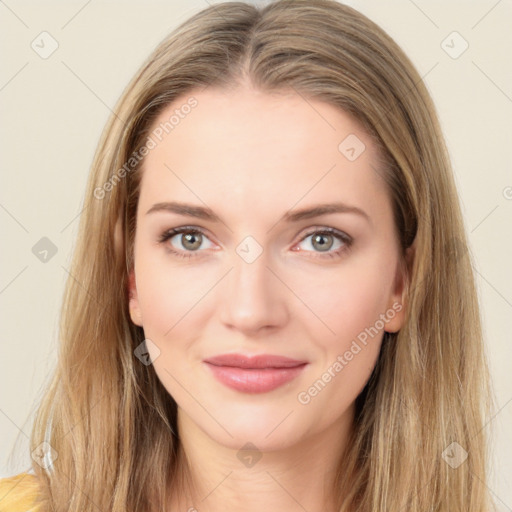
[347, 240]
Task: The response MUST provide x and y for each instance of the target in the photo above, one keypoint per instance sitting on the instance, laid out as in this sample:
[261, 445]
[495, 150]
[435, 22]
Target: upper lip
[257, 361]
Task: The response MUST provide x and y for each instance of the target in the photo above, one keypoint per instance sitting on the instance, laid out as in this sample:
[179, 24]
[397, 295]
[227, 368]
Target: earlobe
[394, 316]
[133, 301]
[395, 313]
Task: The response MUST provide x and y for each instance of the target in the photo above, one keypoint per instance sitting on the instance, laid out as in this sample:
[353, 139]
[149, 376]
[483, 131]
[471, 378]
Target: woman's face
[251, 276]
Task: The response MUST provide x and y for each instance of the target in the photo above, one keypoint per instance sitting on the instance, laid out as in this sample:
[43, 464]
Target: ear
[395, 312]
[133, 300]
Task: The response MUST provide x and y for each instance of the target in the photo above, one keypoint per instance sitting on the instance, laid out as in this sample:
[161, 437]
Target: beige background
[54, 109]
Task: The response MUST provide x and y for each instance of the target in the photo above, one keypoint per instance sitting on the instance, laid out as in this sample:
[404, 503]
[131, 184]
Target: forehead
[236, 148]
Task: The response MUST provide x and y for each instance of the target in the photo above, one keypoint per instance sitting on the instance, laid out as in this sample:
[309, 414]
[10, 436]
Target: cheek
[346, 357]
[167, 293]
[346, 302]
[170, 301]
[349, 303]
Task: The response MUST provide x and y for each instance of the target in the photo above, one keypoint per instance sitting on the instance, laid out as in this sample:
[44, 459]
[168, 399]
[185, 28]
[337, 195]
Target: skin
[251, 157]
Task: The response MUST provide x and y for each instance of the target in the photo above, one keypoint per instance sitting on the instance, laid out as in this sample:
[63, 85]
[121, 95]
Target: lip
[254, 374]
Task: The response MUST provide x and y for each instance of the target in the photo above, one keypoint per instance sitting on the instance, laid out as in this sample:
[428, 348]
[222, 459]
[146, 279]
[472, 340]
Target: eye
[323, 240]
[191, 240]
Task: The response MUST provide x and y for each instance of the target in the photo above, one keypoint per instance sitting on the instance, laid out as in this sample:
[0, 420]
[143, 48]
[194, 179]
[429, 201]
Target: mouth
[256, 374]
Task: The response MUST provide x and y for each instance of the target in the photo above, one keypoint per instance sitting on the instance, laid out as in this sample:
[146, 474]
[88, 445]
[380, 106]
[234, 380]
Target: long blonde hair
[109, 420]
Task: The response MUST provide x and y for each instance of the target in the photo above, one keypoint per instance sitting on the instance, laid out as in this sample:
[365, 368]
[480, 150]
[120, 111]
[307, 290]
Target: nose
[253, 298]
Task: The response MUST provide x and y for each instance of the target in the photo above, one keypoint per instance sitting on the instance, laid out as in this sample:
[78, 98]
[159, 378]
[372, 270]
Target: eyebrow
[205, 213]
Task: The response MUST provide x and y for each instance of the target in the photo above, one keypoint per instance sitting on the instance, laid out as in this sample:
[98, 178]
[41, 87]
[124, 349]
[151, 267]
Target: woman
[272, 302]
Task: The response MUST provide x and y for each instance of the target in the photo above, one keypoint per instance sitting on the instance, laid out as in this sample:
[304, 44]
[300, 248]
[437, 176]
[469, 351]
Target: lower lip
[254, 380]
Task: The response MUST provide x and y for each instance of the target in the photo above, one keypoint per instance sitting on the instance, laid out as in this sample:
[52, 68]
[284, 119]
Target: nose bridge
[252, 297]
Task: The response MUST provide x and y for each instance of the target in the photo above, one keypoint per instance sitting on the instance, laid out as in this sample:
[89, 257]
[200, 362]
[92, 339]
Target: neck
[296, 478]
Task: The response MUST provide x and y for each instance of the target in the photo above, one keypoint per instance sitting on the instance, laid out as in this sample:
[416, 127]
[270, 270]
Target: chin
[267, 429]
[252, 439]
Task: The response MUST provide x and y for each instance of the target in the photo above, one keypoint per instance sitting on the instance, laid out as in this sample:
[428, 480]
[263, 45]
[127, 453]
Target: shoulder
[18, 493]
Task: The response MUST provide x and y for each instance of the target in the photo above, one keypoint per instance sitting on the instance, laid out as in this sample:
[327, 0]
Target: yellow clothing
[18, 493]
